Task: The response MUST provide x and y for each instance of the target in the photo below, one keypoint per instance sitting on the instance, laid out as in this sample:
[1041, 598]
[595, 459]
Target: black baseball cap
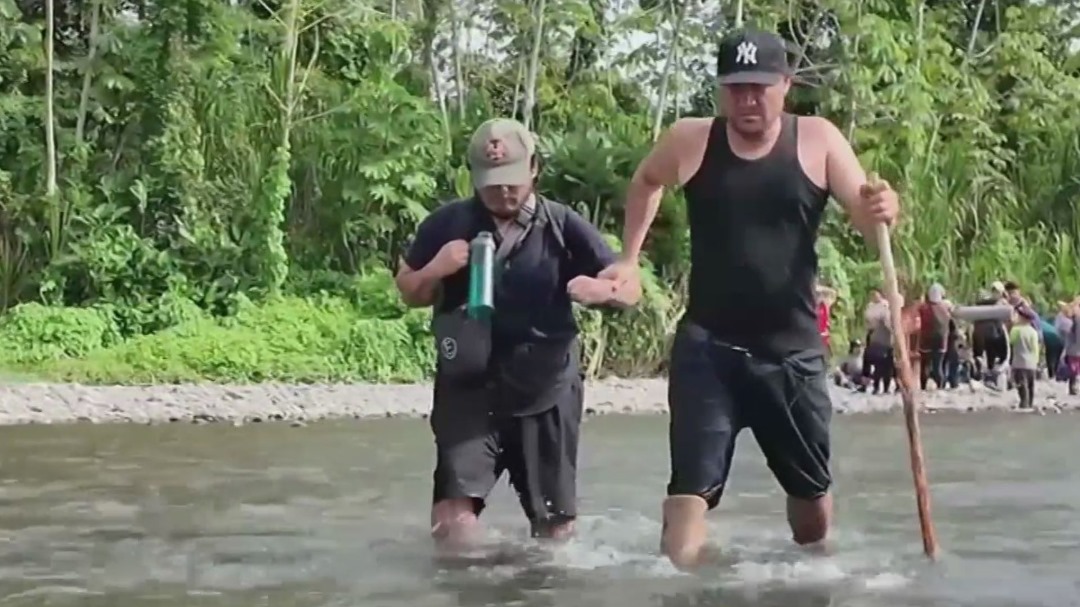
[750, 56]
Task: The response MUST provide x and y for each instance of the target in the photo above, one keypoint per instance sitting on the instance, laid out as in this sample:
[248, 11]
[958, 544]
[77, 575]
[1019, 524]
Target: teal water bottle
[481, 276]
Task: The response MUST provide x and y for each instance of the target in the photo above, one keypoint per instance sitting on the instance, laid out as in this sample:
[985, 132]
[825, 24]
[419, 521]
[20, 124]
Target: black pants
[475, 443]
[933, 367]
[1053, 358]
[951, 367]
[715, 390]
[879, 367]
[1025, 386]
[994, 349]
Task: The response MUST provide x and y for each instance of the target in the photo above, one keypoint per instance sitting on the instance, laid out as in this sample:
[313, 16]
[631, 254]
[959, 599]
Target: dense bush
[225, 184]
[33, 334]
[325, 338]
[286, 339]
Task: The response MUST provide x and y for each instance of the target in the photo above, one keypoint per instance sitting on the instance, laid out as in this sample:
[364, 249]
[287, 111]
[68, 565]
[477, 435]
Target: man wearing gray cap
[508, 391]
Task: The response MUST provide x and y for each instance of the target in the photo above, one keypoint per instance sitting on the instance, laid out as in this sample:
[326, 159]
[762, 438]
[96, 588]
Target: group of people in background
[950, 345]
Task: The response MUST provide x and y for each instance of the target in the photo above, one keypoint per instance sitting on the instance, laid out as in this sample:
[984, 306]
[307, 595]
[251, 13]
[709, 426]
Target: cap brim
[519, 173]
[766, 78]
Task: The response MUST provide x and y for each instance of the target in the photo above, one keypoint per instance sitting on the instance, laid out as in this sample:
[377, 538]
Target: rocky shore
[69, 403]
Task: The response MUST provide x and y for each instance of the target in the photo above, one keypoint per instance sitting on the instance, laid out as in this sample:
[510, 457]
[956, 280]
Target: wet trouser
[716, 389]
[476, 441]
[933, 367]
[1025, 386]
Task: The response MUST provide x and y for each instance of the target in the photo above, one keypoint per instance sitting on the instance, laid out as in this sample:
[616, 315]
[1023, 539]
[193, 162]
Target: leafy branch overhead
[164, 160]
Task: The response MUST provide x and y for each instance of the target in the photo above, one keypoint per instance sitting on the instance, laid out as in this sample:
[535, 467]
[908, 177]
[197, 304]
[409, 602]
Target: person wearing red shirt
[911, 325]
[934, 317]
[826, 297]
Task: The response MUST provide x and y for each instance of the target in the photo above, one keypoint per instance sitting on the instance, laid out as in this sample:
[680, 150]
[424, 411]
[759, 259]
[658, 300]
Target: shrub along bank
[191, 200]
[357, 334]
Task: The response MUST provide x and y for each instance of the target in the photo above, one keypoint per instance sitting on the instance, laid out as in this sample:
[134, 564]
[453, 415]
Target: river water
[335, 515]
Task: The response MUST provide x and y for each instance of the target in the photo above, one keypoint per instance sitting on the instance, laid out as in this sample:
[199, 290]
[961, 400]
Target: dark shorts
[475, 445]
[715, 390]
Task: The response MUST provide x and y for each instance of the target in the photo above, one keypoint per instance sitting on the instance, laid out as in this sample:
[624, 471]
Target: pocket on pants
[537, 375]
[806, 375]
[806, 367]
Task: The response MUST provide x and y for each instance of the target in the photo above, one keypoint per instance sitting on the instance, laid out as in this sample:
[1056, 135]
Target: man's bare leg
[685, 531]
[454, 524]
[809, 519]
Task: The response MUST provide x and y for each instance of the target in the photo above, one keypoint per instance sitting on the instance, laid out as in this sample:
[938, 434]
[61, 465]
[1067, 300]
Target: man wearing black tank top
[747, 354]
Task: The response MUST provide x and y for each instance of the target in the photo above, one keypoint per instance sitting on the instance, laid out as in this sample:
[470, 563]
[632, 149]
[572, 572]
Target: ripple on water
[335, 516]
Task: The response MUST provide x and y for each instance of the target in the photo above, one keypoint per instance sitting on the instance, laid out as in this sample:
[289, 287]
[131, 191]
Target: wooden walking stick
[907, 387]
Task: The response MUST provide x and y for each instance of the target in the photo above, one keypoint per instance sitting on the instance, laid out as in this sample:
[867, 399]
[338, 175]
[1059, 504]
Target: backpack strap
[556, 216]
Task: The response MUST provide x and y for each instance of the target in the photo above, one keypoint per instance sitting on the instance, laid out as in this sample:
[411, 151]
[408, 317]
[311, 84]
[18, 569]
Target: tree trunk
[534, 64]
[669, 66]
[455, 49]
[88, 75]
[56, 212]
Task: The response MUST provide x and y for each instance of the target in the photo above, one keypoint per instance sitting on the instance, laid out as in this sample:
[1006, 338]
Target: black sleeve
[432, 233]
[589, 252]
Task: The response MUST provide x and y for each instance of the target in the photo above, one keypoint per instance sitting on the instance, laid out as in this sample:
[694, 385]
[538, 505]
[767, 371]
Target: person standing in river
[508, 391]
[747, 352]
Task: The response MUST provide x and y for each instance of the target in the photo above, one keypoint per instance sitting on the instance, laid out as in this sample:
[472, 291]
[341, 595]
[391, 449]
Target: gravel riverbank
[69, 403]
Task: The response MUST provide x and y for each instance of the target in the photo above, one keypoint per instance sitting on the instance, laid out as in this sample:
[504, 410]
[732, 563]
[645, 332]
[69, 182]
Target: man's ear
[535, 166]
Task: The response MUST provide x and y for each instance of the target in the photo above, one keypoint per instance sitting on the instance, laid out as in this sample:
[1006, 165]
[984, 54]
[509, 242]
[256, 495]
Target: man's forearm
[642, 203]
[418, 288]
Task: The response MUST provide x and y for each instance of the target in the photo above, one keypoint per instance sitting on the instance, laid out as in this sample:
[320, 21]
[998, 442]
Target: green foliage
[287, 339]
[236, 180]
[33, 334]
[324, 338]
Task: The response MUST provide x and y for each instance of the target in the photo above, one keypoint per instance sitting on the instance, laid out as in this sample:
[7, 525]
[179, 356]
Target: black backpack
[464, 344]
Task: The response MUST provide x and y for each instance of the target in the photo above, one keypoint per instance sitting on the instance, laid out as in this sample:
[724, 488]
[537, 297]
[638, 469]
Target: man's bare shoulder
[691, 128]
[819, 127]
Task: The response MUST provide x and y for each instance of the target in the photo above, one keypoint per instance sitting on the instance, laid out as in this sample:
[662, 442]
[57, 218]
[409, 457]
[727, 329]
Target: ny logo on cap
[746, 53]
[495, 150]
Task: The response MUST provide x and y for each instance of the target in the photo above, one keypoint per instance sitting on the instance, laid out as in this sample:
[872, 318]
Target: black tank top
[753, 227]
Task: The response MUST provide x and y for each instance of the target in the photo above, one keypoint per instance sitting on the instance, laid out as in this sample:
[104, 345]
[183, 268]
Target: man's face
[1013, 295]
[875, 296]
[504, 201]
[753, 108]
